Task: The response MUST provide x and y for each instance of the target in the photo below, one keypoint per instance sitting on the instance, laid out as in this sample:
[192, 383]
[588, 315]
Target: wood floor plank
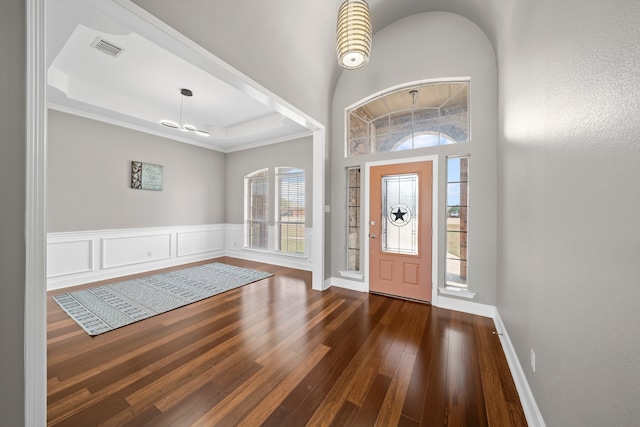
[435, 406]
[275, 397]
[346, 415]
[368, 412]
[278, 353]
[218, 412]
[376, 360]
[458, 408]
[391, 407]
[498, 393]
[474, 391]
[169, 391]
[302, 331]
[204, 369]
[417, 390]
[143, 418]
[135, 372]
[304, 400]
[349, 377]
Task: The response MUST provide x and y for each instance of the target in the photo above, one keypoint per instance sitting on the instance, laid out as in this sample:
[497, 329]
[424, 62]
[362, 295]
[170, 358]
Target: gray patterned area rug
[104, 308]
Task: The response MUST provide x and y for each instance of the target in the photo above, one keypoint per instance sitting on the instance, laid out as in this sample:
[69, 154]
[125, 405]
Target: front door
[400, 233]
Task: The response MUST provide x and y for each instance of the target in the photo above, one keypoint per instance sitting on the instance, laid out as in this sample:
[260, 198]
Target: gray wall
[89, 173]
[296, 153]
[404, 53]
[88, 182]
[569, 205]
[12, 211]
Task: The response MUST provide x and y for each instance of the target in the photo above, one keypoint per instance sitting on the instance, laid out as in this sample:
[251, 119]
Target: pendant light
[414, 94]
[186, 93]
[353, 34]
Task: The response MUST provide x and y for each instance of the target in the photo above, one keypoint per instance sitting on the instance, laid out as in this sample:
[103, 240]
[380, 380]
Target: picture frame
[146, 176]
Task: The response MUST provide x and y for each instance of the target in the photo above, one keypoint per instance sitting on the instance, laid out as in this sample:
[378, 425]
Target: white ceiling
[141, 86]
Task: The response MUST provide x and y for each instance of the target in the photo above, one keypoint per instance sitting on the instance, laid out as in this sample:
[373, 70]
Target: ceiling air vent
[106, 47]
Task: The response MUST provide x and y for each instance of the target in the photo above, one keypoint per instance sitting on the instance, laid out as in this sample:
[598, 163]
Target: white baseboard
[340, 282]
[270, 258]
[470, 307]
[531, 410]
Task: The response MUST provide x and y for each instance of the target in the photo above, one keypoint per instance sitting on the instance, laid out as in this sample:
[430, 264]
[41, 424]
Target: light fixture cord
[181, 106]
[413, 93]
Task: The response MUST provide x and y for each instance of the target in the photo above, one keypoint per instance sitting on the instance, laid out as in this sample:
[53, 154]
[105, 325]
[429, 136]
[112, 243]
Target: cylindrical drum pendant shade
[353, 41]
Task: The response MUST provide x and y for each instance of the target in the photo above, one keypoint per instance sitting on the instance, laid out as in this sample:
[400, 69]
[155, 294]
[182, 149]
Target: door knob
[373, 236]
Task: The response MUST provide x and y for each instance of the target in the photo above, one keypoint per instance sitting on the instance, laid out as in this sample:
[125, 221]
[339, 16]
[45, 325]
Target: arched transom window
[413, 117]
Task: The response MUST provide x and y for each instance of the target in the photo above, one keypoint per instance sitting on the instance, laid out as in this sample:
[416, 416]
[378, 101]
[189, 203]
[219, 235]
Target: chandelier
[353, 34]
[186, 93]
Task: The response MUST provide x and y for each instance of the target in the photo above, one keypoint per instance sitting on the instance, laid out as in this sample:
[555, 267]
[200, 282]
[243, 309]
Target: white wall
[89, 178]
[569, 204]
[430, 46]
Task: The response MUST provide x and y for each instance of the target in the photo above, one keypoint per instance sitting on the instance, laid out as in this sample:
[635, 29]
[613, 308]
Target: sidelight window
[457, 219]
[353, 219]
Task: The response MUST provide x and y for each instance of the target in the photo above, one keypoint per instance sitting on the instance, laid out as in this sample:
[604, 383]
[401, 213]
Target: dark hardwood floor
[277, 353]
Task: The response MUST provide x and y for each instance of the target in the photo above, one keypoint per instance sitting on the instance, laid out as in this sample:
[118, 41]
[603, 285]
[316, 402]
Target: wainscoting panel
[70, 257]
[75, 258]
[129, 250]
[82, 257]
[197, 242]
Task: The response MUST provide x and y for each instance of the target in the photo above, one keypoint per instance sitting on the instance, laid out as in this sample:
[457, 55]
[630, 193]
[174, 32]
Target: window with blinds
[290, 215]
[256, 209]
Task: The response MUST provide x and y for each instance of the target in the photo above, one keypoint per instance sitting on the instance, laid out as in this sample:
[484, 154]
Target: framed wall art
[146, 176]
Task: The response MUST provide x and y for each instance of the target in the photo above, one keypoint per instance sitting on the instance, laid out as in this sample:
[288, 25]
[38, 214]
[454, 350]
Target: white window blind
[290, 216]
[256, 209]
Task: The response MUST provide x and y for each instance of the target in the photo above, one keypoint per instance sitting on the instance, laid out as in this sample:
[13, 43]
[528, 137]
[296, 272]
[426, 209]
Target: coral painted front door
[400, 230]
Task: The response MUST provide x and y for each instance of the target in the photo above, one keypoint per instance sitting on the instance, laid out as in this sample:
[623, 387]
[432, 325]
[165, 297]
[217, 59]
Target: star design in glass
[399, 215]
